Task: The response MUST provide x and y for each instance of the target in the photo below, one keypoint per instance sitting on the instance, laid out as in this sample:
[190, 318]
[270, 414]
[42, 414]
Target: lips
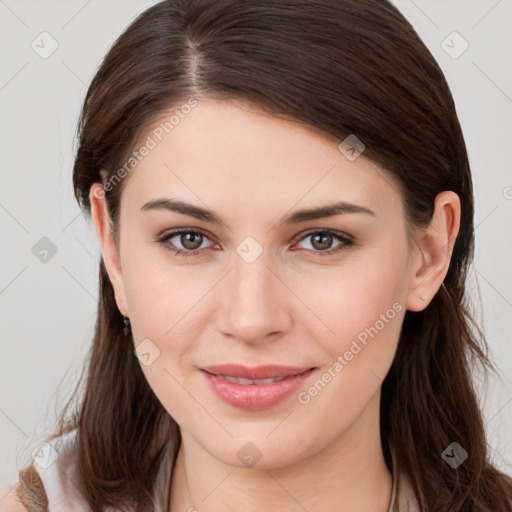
[255, 388]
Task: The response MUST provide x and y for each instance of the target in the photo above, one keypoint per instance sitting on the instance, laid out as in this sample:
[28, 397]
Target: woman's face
[256, 289]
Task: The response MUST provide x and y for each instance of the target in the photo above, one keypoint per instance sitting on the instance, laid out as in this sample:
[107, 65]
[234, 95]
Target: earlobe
[101, 217]
[433, 251]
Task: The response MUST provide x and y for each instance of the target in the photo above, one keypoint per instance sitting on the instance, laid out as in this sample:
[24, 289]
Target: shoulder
[47, 478]
[12, 503]
[55, 463]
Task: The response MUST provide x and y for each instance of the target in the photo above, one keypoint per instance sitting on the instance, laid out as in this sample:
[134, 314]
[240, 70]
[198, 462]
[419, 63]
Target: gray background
[48, 308]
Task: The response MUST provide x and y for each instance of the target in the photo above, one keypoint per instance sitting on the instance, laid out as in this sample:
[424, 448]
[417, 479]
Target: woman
[235, 156]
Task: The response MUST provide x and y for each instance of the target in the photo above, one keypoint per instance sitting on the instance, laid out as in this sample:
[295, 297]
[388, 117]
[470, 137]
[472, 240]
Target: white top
[54, 463]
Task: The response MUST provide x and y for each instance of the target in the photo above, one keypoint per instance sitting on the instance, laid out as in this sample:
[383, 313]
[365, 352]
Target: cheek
[354, 297]
[161, 296]
[161, 301]
[366, 325]
[361, 311]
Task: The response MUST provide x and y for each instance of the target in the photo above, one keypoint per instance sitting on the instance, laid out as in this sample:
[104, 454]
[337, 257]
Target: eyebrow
[321, 212]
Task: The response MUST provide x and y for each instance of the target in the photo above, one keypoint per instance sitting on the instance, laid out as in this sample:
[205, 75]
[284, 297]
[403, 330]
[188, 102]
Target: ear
[109, 249]
[433, 250]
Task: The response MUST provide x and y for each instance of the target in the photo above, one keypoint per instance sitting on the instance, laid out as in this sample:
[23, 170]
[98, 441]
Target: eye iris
[326, 240]
[184, 239]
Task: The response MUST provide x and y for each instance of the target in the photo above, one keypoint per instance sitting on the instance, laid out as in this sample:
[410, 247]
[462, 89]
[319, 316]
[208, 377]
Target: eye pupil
[185, 240]
[326, 240]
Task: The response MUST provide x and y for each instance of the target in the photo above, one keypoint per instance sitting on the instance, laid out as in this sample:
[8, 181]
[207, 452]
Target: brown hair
[345, 67]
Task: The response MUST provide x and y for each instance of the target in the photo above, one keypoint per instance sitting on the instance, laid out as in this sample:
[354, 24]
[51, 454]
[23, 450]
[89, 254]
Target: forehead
[225, 153]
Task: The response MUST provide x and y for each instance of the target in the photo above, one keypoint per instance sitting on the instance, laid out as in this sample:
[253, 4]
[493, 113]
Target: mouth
[257, 373]
[246, 382]
[255, 388]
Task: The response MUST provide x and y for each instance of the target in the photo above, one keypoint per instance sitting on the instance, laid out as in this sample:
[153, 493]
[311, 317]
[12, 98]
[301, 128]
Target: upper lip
[257, 372]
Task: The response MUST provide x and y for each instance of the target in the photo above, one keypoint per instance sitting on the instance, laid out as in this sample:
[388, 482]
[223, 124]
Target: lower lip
[256, 397]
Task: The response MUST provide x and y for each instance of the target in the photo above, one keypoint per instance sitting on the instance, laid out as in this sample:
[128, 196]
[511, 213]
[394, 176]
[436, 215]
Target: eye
[192, 240]
[321, 239]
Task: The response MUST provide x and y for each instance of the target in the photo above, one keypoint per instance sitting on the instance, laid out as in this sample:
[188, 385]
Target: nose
[255, 302]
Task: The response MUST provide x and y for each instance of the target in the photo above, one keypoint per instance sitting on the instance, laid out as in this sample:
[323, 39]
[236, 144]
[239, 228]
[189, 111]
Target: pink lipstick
[255, 388]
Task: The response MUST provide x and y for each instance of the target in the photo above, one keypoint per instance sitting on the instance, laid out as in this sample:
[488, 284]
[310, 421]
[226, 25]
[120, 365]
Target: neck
[349, 471]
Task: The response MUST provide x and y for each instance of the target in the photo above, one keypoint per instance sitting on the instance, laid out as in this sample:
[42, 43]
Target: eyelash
[347, 242]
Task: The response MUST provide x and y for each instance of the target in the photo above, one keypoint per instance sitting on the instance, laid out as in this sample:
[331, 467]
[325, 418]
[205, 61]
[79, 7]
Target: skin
[291, 305]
